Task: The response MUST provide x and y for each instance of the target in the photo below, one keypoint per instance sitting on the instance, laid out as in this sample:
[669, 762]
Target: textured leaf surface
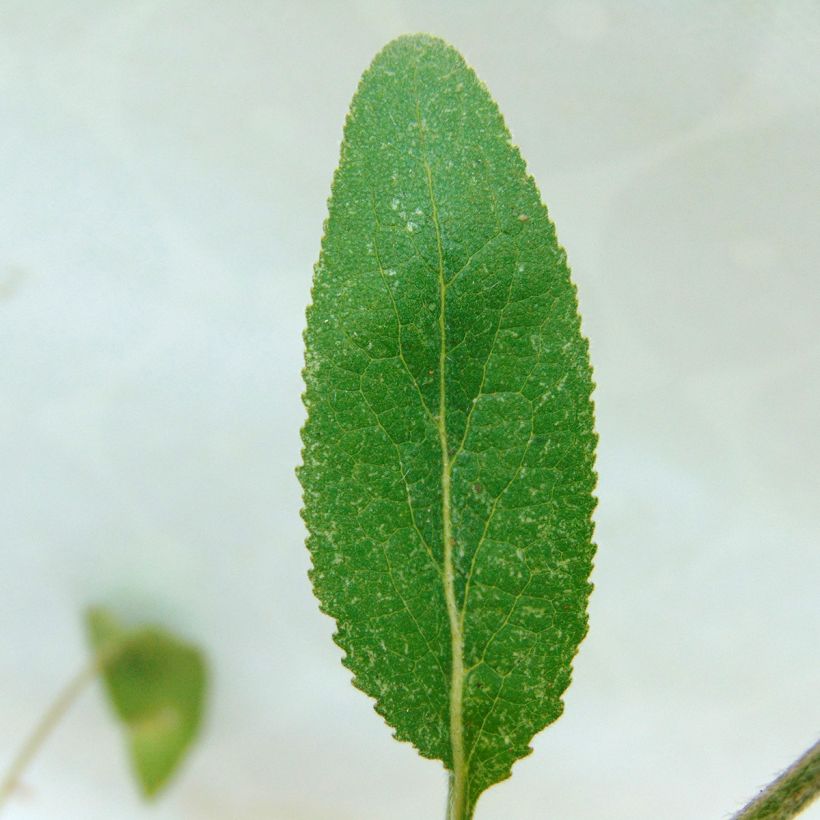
[156, 684]
[448, 452]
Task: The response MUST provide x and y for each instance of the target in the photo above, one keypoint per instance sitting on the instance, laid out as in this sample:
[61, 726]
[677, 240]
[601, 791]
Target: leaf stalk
[66, 698]
[457, 805]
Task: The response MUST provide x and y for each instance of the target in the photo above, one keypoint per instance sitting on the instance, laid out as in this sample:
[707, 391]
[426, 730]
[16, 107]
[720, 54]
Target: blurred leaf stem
[51, 718]
[790, 793]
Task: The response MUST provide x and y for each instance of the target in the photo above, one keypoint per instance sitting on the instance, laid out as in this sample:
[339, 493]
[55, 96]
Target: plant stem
[792, 792]
[61, 704]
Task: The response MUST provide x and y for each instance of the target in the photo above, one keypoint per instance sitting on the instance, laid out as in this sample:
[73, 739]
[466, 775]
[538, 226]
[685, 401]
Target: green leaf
[156, 684]
[448, 451]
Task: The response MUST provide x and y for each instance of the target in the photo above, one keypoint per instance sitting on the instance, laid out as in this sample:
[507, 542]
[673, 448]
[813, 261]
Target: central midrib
[457, 799]
[458, 791]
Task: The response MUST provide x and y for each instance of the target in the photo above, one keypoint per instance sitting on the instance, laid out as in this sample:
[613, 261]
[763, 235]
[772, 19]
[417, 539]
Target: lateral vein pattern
[448, 455]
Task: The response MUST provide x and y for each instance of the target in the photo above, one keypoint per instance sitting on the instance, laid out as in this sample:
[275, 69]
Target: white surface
[163, 175]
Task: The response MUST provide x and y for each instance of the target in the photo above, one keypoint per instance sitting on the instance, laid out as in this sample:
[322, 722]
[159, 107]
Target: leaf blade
[448, 452]
[156, 684]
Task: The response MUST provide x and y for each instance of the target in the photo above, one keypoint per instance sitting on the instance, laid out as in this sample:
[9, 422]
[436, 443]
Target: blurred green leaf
[156, 684]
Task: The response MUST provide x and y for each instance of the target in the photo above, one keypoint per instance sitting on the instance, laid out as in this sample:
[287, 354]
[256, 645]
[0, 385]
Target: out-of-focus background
[164, 167]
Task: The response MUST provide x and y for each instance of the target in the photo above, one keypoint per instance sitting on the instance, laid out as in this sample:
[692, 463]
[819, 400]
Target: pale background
[164, 168]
